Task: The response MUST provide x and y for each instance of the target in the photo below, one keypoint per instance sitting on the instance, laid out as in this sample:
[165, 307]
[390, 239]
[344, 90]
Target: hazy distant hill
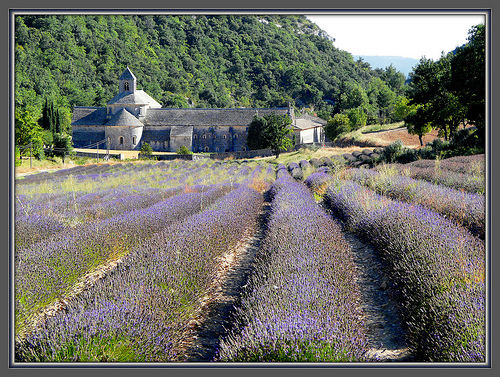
[404, 65]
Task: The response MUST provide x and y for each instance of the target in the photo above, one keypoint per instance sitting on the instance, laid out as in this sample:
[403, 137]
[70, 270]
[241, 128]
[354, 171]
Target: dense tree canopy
[184, 61]
[270, 131]
[450, 91]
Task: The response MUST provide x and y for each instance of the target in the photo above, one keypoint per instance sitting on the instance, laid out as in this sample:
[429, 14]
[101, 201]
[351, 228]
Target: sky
[409, 36]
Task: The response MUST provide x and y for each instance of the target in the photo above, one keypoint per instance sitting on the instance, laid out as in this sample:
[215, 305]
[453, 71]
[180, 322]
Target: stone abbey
[133, 117]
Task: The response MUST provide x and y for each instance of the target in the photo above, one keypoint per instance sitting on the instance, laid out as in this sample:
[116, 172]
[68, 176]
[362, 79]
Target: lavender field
[119, 262]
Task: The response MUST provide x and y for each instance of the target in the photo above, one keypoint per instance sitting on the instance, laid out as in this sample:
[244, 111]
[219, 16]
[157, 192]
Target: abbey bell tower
[127, 82]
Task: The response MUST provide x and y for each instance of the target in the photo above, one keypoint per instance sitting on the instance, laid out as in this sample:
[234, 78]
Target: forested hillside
[197, 61]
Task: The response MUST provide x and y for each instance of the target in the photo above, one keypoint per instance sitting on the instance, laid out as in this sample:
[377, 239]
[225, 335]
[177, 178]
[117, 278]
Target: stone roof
[206, 117]
[127, 75]
[307, 121]
[92, 116]
[88, 116]
[181, 131]
[125, 119]
[139, 97]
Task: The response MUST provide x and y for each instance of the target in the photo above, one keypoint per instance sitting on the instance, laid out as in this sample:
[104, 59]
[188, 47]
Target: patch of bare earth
[215, 317]
[385, 332]
[384, 138]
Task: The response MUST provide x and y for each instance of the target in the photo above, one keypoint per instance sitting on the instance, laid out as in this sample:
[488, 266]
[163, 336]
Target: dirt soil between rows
[385, 332]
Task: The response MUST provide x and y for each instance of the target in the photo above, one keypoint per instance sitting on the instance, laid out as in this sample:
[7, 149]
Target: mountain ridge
[401, 63]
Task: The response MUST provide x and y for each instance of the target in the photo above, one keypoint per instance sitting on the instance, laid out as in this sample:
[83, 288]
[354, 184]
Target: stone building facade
[132, 118]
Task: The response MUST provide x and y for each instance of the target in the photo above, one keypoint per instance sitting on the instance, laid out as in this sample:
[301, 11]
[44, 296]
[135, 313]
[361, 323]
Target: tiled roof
[127, 75]
[140, 97]
[124, 118]
[206, 117]
[92, 116]
[307, 121]
[88, 116]
[181, 131]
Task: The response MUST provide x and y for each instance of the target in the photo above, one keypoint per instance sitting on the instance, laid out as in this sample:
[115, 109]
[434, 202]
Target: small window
[126, 86]
[204, 136]
[195, 136]
[224, 136]
[235, 136]
[243, 149]
[216, 149]
[121, 140]
[134, 140]
[206, 149]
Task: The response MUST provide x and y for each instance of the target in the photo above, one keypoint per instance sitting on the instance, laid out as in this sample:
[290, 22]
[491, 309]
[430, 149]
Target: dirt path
[216, 315]
[385, 332]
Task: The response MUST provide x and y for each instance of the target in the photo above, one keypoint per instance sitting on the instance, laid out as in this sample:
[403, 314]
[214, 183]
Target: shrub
[392, 151]
[146, 149]
[184, 150]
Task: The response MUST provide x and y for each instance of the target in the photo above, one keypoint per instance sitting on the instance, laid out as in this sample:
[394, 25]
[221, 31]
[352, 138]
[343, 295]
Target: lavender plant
[47, 271]
[467, 209]
[301, 304]
[437, 266]
[140, 311]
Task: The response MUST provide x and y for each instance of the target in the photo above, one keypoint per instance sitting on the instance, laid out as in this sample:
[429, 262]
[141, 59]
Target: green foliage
[468, 77]
[146, 149]
[336, 126]
[451, 90]
[28, 135]
[184, 150]
[63, 145]
[185, 60]
[270, 131]
[392, 152]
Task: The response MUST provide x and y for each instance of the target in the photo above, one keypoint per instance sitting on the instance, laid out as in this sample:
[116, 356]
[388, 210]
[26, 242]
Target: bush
[339, 124]
[392, 151]
[184, 150]
[146, 149]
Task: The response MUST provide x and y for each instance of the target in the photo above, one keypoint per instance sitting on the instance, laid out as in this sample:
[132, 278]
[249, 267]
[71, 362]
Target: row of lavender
[54, 252]
[461, 173]
[67, 203]
[48, 270]
[437, 266]
[139, 313]
[467, 209]
[302, 303]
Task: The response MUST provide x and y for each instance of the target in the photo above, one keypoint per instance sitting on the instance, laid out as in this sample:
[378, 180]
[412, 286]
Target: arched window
[224, 136]
[243, 149]
[195, 136]
[206, 149]
[204, 136]
[134, 140]
[235, 136]
[121, 140]
[126, 86]
[216, 149]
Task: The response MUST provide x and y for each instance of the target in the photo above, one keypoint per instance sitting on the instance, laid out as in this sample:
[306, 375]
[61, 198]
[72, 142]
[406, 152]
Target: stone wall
[87, 135]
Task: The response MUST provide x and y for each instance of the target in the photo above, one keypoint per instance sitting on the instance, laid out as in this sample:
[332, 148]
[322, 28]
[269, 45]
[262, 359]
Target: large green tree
[270, 131]
[468, 78]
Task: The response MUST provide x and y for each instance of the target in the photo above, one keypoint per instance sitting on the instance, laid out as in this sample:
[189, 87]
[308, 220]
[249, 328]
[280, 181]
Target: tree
[270, 131]
[28, 135]
[63, 145]
[468, 78]
[184, 150]
[146, 149]
[336, 126]
[417, 122]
